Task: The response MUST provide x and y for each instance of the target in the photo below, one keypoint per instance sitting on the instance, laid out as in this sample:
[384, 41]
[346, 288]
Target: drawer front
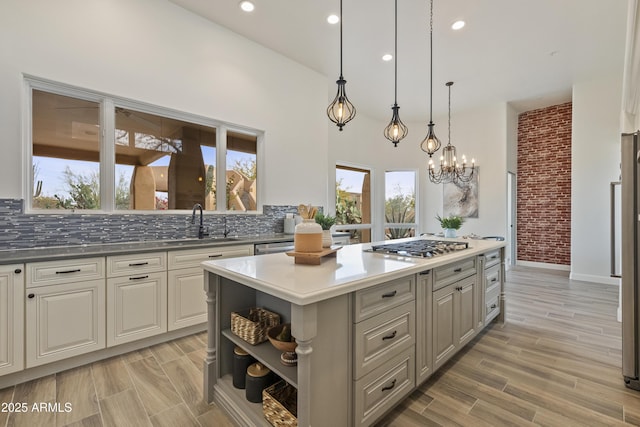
[60, 272]
[383, 388]
[451, 273]
[193, 257]
[492, 279]
[492, 258]
[381, 337]
[492, 308]
[124, 265]
[372, 301]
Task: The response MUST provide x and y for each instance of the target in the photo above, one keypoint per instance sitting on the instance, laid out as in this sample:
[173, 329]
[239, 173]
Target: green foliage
[347, 211]
[454, 222]
[247, 168]
[83, 191]
[325, 221]
[122, 192]
[400, 209]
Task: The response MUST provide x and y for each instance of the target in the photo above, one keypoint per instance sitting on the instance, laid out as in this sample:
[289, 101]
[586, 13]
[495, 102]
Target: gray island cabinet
[370, 327]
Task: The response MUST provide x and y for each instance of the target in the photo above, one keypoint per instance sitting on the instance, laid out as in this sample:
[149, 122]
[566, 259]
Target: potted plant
[326, 222]
[450, 224]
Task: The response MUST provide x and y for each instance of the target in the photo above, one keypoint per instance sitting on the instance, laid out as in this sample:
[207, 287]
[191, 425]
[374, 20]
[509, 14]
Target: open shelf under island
[370, 327]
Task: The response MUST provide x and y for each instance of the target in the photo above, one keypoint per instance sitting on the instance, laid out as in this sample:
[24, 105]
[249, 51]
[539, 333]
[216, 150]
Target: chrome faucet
[201, 229]
[225, 233]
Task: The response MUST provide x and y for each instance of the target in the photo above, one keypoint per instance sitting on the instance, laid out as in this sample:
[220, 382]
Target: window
[400, 204]
[353, 202]
[150, 158]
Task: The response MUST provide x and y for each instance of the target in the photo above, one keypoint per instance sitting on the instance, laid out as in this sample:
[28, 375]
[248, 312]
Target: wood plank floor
[556, 362]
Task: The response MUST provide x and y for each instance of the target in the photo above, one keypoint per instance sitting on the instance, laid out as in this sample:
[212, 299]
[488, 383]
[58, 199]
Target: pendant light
[431, 143]
[395, 130]
[450, 170]
[341, 111]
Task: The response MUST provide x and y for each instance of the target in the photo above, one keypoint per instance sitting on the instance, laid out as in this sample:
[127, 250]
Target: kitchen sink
[206, 240]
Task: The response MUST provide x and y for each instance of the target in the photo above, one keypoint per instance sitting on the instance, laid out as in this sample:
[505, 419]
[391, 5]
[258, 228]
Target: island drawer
[378, 299]
[383, 388]
[492, 279]
[123, 265]
[381, 337]
[61, 272]
[451, 273]
[492, 307]
[492, 258]
[193, 257]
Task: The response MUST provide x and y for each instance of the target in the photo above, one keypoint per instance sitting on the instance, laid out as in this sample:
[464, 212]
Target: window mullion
[221, 168]
[107, 155]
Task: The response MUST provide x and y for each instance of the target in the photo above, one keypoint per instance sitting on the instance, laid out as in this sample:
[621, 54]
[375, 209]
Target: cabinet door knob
[30, 296]
[17, 270]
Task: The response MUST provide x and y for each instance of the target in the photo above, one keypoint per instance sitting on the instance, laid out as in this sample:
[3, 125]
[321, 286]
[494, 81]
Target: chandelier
[430, 144]
[395, 130]
[341, 110]
[450, 170]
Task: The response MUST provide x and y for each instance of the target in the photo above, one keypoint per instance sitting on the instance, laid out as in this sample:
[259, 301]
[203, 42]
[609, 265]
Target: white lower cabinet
[64, 320]
[137, 301]
[187, 300]
[11, 318]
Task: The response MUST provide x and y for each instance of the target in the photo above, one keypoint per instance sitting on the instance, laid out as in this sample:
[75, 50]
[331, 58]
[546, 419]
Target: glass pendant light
[395, 130]
[450, 169]
[341, 111]
[431, 143]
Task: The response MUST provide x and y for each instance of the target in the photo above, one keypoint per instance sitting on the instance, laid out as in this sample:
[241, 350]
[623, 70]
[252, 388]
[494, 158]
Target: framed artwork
[461, 199]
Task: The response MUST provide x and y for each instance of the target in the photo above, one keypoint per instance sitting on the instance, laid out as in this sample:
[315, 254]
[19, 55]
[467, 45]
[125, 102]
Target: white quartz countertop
[350, 270]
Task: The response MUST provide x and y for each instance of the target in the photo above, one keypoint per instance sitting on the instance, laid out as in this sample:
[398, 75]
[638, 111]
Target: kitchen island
[370, 327]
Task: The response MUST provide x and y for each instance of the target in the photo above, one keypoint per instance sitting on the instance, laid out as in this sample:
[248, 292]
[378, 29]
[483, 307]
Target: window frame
[107, 104]
[365, 226]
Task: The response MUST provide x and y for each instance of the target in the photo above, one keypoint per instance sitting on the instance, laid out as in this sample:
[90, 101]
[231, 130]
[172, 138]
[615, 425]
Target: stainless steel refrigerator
[630, 191]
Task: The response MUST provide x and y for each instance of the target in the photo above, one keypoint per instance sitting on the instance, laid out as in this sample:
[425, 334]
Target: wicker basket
[251, 325]
[279, 404]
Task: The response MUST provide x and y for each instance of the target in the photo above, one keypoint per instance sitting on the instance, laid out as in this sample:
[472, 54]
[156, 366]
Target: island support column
[210, 361]
[304, 327]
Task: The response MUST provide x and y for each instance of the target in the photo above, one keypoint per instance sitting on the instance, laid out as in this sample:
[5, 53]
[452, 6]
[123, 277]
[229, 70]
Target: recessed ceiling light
[457, 25]
[387, 57]
[247, 6]
[333, 19]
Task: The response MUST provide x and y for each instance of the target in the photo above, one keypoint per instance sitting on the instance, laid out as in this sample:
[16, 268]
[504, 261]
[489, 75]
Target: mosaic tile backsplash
[19, 230]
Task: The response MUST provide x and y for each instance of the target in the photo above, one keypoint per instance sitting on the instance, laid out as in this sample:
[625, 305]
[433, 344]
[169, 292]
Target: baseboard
[606, 280]
[548, 266]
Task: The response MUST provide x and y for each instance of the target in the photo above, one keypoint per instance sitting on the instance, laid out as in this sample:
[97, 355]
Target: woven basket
[279, 404]
[252, 325]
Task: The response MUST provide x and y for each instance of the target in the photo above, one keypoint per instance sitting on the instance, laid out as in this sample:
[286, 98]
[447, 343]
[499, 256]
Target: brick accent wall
[544, 185]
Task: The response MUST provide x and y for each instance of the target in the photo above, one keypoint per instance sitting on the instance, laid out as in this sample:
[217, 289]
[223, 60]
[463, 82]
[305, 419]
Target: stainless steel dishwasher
[273, 247]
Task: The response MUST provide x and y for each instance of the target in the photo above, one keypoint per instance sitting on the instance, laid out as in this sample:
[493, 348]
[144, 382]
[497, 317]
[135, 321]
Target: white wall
[156, 52]
[479, 133]
[595, 153]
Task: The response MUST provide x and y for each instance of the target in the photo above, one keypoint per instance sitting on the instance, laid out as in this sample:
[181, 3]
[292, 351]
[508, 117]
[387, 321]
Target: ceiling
[526, 52]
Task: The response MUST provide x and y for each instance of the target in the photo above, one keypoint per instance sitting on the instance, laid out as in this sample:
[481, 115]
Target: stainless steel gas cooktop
[419, 248]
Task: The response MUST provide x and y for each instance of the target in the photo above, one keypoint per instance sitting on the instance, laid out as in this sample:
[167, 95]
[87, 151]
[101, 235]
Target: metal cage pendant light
[395, 130]
[341, 111]
[430, 144]
[450, 170]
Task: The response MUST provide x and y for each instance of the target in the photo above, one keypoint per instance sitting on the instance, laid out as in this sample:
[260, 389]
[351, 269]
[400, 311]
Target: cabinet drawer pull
[425, 273]
[495, 279]
[30, 296]
[389, 387]
[493, 306]
[215, 256]
[457, 270]
[139, 277]
[68, 271]
[17, 271]
[494, 257]
[390, 294]
[391, 336]
[137, 264]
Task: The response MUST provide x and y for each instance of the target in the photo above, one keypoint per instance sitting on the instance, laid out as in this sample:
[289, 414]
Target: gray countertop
[51, 253]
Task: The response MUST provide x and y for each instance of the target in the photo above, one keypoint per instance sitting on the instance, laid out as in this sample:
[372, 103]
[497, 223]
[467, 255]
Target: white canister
[289, 224]
[308, 236]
